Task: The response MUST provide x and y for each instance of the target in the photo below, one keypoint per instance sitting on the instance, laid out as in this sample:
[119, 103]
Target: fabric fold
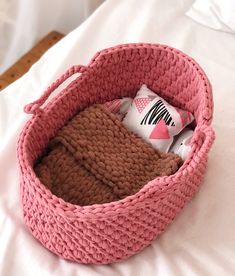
[96, 159]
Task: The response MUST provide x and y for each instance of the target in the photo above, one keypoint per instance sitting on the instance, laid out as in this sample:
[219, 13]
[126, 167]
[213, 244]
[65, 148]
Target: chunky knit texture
[95, 159]
[110, 232]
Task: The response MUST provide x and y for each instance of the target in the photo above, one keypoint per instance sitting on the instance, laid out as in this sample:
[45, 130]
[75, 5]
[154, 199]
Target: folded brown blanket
[95, 159]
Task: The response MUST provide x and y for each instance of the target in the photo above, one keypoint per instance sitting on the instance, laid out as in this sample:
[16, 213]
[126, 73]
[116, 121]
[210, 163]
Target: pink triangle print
[186, 117]
[113, 106]
[152, 97]
[141, 103]
[160, 131]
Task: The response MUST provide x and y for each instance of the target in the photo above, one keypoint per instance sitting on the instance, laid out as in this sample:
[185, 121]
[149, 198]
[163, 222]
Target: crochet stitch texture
[95, 159]
[110, 232]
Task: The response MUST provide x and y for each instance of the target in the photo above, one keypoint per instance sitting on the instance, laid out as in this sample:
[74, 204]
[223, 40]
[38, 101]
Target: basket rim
[100, 211]
[137, 200]
[146, 46]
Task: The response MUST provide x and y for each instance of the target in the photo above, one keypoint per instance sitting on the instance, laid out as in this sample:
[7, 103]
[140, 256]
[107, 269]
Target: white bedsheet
[201, 241]
[23, 23]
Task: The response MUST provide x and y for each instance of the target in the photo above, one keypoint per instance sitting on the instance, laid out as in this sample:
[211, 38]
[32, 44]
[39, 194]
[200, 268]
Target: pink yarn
[105, 233]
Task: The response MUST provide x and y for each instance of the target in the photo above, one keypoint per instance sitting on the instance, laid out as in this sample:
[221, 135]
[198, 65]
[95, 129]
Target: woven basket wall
[114, 231]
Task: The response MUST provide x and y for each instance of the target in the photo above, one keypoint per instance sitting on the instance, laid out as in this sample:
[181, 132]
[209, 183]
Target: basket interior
[113, 231]
[116, 74]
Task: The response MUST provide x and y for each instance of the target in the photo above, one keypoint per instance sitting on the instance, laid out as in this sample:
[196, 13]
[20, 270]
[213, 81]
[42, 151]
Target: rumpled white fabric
[216, 14]
[23, 23]
[201, 241]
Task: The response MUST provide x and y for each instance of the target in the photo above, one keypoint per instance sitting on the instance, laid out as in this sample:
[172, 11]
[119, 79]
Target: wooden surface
[25, 62]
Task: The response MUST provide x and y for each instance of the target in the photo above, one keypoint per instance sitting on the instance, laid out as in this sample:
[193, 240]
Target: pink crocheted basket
[105, 233]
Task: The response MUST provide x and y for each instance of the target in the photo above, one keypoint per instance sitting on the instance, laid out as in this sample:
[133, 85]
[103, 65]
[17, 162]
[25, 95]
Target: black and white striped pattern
[156, 113]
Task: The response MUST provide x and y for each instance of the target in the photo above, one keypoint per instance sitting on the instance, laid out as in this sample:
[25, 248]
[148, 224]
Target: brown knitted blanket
[95, 159]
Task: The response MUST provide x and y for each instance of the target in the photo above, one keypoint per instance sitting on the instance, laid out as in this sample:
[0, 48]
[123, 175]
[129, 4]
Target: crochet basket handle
[209, 137]
[35, 107]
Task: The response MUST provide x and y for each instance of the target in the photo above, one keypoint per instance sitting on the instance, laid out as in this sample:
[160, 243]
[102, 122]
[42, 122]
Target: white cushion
[181, 144]
[155, 120]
